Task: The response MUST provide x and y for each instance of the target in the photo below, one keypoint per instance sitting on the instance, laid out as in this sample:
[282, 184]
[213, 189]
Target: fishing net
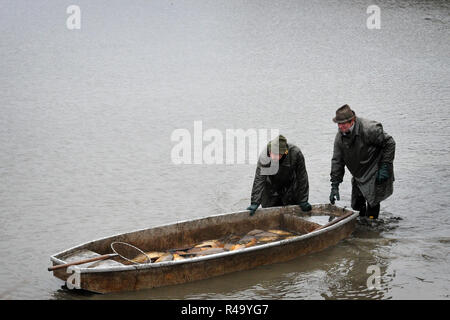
[128, 252]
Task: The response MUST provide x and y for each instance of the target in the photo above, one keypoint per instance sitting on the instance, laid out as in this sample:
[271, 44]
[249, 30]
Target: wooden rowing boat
[116, 274]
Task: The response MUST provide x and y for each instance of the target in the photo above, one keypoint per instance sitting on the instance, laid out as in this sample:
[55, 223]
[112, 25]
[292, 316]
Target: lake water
[86, 118]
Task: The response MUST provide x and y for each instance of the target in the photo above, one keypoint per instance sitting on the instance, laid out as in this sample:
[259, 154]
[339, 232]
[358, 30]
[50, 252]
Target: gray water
[86, 118]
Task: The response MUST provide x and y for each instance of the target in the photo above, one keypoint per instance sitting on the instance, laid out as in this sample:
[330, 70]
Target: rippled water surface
[86, 118]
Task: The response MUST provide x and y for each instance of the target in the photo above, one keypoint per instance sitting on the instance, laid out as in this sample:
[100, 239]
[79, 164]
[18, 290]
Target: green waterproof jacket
[361, 152]
[289, 183]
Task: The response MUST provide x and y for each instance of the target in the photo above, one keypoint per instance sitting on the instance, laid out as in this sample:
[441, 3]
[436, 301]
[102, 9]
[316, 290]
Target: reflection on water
[366, 249]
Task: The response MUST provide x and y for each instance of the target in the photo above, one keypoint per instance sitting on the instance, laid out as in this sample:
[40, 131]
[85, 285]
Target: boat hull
[136, 277]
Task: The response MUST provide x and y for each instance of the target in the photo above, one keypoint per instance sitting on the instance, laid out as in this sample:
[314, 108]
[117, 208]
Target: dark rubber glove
[383, 173]
[305, 206]
[253, 208]
[334, 194]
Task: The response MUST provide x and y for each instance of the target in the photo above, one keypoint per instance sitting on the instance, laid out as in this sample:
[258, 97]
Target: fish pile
[229, 243]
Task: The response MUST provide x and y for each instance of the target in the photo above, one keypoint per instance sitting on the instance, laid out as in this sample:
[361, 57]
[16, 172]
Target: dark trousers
[360, 204]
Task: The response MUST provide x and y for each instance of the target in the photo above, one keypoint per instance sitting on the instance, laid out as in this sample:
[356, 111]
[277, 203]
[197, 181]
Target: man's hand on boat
[334, 194]
[305, 206]
[253, 208]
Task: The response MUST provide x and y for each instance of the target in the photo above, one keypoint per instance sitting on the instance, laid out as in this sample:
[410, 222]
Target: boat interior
[188, 234]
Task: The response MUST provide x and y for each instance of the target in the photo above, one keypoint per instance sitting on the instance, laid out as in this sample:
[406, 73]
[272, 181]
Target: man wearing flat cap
[368, 152]
[281, 178]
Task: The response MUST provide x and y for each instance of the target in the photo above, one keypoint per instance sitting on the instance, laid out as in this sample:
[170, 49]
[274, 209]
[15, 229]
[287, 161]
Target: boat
[324, 226]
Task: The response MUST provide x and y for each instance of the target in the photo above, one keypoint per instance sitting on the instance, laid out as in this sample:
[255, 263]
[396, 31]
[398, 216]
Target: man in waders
[281, 178]
[368, 153]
